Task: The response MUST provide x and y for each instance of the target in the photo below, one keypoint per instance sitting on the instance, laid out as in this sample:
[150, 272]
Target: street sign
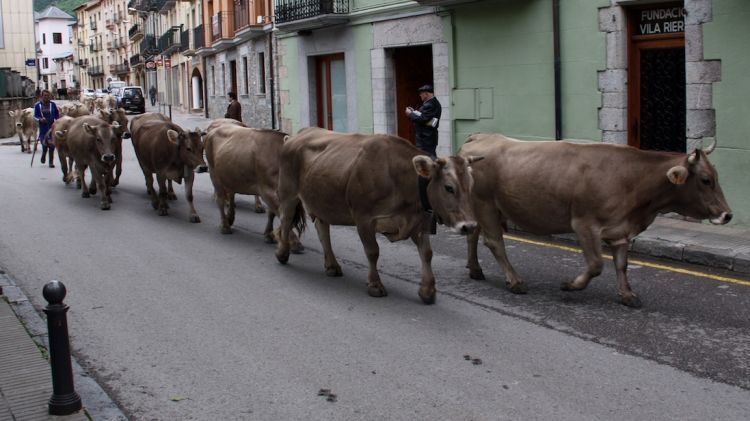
[151, 65]
[167, 62]
[30, 62]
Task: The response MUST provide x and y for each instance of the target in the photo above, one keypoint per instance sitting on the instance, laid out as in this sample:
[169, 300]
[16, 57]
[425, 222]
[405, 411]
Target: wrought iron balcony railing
[170, 42]
[148, 46]
[198, 37]
[119, 69]
[292, 10]
[136, 60]
[135, 32]
[95, 70]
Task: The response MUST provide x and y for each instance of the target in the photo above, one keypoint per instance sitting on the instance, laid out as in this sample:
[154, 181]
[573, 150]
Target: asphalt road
[179, 322]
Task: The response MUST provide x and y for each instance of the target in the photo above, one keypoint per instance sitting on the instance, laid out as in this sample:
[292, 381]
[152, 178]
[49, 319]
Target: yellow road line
[635, 261]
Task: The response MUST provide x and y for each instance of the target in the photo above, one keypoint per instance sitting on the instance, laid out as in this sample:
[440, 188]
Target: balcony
[135, 33]
[81, 43]
[92, 24]
[136, 60]
[170, 42]
[83, 62]
[110, 46]
[221, 28]
[95, 71]
[241, 15]
[119, 69]
[109, 23]
[305, 15]
[148, 46]
[95, 46]
[198, 43]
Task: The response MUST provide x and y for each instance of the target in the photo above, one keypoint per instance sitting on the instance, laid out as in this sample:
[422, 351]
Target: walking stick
[36, 145]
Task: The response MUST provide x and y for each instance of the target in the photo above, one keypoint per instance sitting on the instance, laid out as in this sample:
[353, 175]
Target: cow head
[449, 189]
[104, 140]
[699, 194]
[190, 146]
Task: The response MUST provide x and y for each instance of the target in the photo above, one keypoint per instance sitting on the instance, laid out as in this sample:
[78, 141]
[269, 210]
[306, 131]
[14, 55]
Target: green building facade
[655, 75]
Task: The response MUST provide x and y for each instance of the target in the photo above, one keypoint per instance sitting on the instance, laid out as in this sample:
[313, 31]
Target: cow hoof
[85, 194]
[282, 258]
[162, 212]
[633, 301]
[269, 239]
[226, 230]
[114, 183]
[298, 248]
[260, 209]
[377, 291]
[569, 286]
[427, 297]
[518, 288]
[172, 196]
[155, 205]
[336, 271]
[476, 274]
[92, 191]
[105, 206]
[195, 219]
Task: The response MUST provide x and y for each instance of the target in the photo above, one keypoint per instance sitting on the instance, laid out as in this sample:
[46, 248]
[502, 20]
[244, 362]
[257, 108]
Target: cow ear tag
[677, 175]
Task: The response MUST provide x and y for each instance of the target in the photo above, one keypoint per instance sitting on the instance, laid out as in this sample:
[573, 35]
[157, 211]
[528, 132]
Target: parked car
[131, 98]
[89, 93]
[117, 93]
[101, 93]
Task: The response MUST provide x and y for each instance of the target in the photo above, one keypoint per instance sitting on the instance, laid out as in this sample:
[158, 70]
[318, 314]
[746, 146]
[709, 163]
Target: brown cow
[136, 122]
[75, 109]
[26, 127]
[600, 192]
[259, 208]
[91, 144]
[245, 161]
[122, 132]
[59, 132]
[370, 181]
[165, 149]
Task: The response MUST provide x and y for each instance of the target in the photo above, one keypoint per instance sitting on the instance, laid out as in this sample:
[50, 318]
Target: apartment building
[116, 40]
[17, 43]
[55, 40]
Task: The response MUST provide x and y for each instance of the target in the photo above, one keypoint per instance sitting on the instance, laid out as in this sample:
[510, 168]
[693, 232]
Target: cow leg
[268, 231]
[118, 163]
[620, 258]
[367, 234]
[475, 270]
[324, 234]
[259, 208]
[62, 157]
[162, 203]
[81, 178]
[591, 244]
[231, 209]
[427, 289]
[92, 184]
[100, 180]
[170, 192]
[150, 188]
[189, 177]
[222, 203]
[491, 223]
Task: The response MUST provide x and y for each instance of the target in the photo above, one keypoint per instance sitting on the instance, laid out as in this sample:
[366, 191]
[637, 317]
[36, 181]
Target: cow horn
[711, 146]
[473, 159]
[693, 157]
[115, 124]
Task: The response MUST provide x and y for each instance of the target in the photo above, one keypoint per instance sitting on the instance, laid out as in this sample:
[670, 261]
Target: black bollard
[64, 400]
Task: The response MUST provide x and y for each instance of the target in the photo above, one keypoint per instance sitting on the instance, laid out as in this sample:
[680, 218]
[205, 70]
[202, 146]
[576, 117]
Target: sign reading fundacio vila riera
[660, 20]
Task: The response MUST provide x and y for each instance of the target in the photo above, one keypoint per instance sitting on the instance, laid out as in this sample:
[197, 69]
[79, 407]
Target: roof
[52, 12]
[63, 55]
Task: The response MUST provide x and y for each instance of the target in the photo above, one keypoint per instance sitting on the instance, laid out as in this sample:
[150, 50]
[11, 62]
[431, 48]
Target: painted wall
[17, 36]
[505, 49]
[726, 38]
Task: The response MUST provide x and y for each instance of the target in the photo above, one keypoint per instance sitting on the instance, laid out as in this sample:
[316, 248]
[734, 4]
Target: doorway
[330, 87]
[656, 78]
[412, 69]
[233, 76]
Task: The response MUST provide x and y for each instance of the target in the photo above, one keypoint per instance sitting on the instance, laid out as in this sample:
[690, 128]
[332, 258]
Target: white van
[117, 84]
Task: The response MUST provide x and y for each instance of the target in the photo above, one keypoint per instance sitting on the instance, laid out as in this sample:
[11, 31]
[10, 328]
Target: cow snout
[19, 125]
[722, 219]
[108, 157]
[201, 168]
[126, 135]
[466, 228]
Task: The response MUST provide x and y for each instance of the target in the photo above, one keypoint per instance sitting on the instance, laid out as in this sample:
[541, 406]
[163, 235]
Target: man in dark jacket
[234, 110]
[426, 121]
[45, 112]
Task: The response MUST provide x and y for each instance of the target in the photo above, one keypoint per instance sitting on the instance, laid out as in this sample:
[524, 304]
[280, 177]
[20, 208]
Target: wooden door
[412, 69]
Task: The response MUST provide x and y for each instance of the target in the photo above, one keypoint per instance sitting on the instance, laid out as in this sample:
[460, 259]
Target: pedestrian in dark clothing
[152, 95]
[234, 110]
[45, 112]
[426, 121]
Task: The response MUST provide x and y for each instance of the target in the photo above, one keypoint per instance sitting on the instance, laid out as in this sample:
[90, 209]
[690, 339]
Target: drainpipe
[556, 43]
[271, 78]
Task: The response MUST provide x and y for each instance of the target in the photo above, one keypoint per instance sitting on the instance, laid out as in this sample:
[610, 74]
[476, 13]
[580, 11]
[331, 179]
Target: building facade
[654, 75]
[17, 43]
[54, 36]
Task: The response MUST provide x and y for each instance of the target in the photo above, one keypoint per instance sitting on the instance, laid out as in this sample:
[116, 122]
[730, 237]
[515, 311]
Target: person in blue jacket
[45, 112]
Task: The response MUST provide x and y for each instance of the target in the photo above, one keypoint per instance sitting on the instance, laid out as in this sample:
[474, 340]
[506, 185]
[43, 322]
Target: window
[44, 38]
[213, 81]
[45, 63]
[247, 78]
[261, 73]
[56, 38]
[330, 74]
[223, 79]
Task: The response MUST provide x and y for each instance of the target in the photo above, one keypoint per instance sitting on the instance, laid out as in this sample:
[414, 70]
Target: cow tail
[299, 221]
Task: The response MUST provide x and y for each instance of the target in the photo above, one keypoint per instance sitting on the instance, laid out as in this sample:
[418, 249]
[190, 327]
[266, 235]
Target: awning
[62, 56]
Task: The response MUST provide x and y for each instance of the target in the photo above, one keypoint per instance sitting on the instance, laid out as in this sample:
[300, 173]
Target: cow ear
[173, 136]
[115, 124]
[12, 113]
[677, 175]
[60, 133]
[89, 128]
[424, 165]
[472, 159]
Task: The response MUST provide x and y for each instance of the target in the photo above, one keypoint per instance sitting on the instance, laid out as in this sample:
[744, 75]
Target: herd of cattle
[602, 193]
